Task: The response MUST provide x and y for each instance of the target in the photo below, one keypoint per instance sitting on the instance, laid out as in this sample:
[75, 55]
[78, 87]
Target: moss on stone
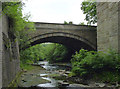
[14, 83]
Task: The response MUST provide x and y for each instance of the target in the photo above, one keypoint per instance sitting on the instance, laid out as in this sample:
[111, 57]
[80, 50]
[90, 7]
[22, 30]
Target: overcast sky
[54, 11]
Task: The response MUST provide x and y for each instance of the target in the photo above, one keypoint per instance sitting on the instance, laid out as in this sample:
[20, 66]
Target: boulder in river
[100, 84]
[67, 72]
[62, 84]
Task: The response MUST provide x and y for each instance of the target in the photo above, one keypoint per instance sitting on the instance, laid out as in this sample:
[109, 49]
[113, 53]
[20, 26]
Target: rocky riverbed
[31, 77]
[56, 75]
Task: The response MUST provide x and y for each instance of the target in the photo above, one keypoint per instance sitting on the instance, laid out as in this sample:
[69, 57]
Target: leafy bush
[90, 63]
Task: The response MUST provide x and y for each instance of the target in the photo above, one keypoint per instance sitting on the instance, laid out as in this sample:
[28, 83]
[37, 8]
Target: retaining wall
[9, 53]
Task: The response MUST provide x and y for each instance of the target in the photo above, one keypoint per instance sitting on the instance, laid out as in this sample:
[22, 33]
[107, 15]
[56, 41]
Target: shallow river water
[60, 84]
[48, 76]
[51, 68]
[54, 84]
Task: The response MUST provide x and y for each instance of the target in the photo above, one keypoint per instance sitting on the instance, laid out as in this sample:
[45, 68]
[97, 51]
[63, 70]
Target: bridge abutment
[9, 52]
[108, 28]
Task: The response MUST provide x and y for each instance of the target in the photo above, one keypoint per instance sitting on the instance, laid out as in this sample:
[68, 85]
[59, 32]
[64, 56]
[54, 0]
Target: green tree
[65, 22]
[57, 54]
[89, 8]
[18, 23]
[52, 52]
[70, 22]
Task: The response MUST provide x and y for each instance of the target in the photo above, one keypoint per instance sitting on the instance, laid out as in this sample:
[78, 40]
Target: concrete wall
[0, 46]
[9, 53]
[10, 63]
[108, 28]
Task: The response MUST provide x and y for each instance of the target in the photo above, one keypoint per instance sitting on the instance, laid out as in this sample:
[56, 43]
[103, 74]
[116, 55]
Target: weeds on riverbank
[100, 66]
[25, 66]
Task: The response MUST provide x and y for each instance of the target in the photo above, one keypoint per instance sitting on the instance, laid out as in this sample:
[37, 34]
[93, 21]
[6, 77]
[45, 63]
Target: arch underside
[70, 40]
[71, 43]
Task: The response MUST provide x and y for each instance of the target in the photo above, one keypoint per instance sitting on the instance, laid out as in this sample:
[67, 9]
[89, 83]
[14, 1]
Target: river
[63, 70]
[52, 75]
[53, 69]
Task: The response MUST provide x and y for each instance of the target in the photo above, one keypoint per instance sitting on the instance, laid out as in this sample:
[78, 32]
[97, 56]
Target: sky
[54, 11]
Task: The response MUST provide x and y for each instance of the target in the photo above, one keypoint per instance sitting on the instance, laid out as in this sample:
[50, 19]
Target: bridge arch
[72, 36]
[70, 40]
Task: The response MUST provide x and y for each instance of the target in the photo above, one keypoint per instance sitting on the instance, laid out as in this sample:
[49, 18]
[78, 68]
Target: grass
[27, 66]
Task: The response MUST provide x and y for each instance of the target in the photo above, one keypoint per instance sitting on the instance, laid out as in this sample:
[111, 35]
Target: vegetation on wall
[97, 65]
[17, 23]
[89, 8]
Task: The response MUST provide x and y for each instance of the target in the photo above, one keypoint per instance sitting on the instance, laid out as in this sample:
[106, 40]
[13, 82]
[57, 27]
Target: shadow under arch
[68, 39]
[71, 41]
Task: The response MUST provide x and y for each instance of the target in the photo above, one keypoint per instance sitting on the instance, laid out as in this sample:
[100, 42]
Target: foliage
[65, 22]
[14, 83]
[70, 22]
[26, 66]
[89, 8]
[17, 23]
[47, 51]
[90, 63]
[82, 23]
[108, 77]
[57, 53]
[32, 54]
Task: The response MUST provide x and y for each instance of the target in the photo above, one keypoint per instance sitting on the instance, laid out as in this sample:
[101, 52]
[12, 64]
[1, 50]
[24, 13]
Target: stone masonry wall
[108, 28]
[9, 53]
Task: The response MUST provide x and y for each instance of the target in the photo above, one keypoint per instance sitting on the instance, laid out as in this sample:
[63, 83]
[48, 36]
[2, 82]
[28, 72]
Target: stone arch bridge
[72, 36]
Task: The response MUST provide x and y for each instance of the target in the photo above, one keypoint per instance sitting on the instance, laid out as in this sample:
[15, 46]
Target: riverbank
[31, 77]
